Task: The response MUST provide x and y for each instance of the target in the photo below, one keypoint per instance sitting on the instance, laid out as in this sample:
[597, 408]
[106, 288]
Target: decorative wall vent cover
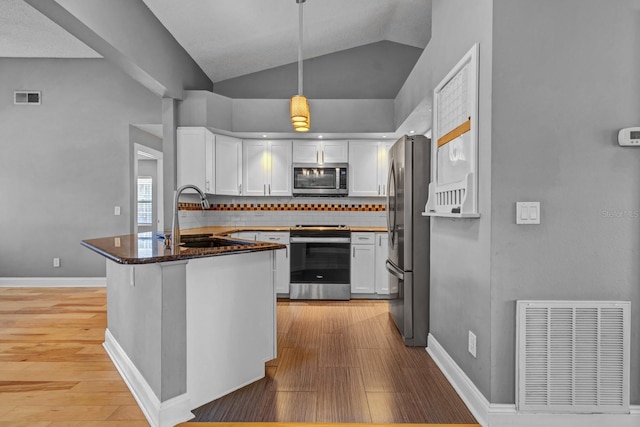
[573, 356]
[26, 97]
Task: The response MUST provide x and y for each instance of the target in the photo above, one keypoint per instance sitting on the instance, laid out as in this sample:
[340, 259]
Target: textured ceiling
[230, 38]
[26, 33]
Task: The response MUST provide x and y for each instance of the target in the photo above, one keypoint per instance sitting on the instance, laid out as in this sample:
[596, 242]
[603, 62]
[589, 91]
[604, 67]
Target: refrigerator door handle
[394, 270]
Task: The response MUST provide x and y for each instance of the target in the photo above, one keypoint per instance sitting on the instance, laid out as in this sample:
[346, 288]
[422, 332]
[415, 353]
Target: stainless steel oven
[329, 179]
[320, 263]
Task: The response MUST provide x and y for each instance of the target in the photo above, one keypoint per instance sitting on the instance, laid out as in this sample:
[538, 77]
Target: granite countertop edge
[124, 249]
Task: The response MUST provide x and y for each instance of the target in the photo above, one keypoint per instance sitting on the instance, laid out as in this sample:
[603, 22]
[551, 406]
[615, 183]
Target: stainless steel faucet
[175, 226]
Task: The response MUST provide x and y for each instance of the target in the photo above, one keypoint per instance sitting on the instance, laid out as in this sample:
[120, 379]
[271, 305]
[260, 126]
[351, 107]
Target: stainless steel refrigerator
[408, 262]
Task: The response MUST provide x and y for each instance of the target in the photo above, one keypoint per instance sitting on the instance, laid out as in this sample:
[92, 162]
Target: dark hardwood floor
[342, 362]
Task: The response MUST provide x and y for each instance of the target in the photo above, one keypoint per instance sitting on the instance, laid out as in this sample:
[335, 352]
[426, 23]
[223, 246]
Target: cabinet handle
[239, 188]
[378, 189]
[384, 189]
[322, 156]
[286, 251]
[269, 189]
[317, 157]
[207, 186]
[354, 252]
[264, 189]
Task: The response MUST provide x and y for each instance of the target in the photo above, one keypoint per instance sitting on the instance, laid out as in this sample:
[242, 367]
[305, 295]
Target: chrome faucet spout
[175, 226]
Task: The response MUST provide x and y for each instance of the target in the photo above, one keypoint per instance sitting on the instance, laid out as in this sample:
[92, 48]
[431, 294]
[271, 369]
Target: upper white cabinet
[368, 167]
[228, 162]
[307, 151]
[196, 158]
[266, 168]
[383, 166]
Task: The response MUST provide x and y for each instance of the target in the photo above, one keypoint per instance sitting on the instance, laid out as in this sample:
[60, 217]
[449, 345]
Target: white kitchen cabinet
[382, 252]
[246, 235]
[383, 166]
[282, 268]
[363, 263]
[368, 168]
[228, 170]
[330, 151]
[266, 168]
[195, 157]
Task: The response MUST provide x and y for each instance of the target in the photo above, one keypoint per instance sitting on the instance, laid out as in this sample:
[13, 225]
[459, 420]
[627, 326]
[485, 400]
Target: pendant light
[299, 106]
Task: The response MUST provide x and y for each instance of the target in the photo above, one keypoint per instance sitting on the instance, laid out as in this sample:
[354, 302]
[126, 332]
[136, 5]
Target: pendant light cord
[300, 47]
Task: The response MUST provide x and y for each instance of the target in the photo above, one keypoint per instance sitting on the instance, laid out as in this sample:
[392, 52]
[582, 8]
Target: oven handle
[319, 240]
[394, 270]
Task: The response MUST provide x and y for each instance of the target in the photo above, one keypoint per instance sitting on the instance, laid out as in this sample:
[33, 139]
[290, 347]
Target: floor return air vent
[572, 356]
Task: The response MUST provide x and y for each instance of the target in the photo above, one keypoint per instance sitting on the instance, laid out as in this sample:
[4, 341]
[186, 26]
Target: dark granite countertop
[146, 248]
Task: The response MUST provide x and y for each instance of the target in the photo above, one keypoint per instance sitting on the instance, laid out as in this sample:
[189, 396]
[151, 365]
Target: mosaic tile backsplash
[284, 212]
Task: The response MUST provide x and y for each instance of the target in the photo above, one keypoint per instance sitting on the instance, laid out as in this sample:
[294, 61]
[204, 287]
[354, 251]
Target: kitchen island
[187, 327]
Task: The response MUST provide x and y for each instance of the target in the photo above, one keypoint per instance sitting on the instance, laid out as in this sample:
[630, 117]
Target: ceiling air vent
[26, 97]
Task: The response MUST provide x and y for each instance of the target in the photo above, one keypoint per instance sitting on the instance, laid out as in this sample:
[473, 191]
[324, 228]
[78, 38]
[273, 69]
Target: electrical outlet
[56, 262]
[472, 343]
[116, 210]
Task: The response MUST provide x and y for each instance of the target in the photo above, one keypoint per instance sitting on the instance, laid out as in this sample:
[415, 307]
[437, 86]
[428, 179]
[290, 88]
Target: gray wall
[128, 34]
[566, 79]
[64, 165]
[373, 71]
[461, 248]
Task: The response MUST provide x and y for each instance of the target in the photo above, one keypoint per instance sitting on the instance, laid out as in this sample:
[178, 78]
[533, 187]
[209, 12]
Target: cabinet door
[363, 169]
[383, 166]
[282, 273]
[336, 151]
[280, 168]
[228, 165]
[306, 151]
[382, 251]
[255, 167]
[195, 158]
[362, 269]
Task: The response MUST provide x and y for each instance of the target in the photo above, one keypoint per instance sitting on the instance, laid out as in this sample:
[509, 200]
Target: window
[145, 200]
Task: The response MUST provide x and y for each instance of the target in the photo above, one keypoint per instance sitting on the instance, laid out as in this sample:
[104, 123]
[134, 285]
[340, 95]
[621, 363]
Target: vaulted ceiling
[248, 48]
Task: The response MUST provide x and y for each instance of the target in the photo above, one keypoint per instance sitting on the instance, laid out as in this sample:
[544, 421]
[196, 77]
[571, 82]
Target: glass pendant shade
[300, 113]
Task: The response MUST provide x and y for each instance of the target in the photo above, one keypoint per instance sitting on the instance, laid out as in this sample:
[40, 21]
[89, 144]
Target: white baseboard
[158, 414]
[506, 415]
[53, 282]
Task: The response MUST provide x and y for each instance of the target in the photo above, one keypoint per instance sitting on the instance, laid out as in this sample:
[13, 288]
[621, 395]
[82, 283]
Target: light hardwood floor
[338, 362]
[53, 369]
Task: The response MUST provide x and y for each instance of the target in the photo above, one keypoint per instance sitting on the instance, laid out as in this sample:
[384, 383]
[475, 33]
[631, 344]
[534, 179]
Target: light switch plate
[527, 212]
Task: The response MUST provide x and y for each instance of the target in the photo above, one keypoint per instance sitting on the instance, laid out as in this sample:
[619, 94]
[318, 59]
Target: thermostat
[629, 137]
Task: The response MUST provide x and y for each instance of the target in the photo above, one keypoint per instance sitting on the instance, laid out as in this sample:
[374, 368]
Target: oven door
[320, 268]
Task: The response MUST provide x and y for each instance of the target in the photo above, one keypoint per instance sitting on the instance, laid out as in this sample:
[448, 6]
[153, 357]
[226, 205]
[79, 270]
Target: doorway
[147, 212]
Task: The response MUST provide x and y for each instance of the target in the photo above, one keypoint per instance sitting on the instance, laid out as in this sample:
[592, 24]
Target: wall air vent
[27, 97]
[573, 356]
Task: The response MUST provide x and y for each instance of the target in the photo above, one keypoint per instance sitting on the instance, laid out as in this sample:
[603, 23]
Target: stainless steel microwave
[329, 179]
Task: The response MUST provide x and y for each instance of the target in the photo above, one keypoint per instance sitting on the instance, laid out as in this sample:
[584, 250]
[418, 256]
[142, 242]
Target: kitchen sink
[213, 242]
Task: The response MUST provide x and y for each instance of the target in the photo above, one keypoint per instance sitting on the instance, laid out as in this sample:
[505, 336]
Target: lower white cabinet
[382, 252]
[363, 260]
[282, 274]
[246, 235]
[282, 268]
